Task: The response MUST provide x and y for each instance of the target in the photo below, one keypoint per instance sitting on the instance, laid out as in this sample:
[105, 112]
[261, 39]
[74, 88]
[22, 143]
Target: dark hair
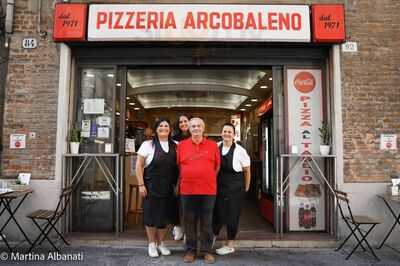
[229, 125]
[157, 124]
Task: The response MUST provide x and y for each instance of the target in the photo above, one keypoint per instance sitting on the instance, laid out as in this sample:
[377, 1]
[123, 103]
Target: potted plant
[325, 134]
[74, 140]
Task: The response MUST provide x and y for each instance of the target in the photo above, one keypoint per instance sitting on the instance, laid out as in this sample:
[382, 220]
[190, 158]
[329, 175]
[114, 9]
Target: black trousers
[227, 212]
[198, 208]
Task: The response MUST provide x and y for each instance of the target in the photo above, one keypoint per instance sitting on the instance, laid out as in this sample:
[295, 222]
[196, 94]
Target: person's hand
[142, 191]
[247, 188]
[177, 190]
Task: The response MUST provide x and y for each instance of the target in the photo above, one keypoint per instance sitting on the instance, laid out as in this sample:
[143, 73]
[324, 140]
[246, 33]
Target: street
[109, 256]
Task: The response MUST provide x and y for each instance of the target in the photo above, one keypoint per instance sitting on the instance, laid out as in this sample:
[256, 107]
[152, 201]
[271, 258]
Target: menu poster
[24, 178]
[235, 120]
[306, 190]
[103, 132]
[17, 141]
[108, 147]
[93, 106]
[129, 145]
[85, 132]
[104, 121]
[388, 142]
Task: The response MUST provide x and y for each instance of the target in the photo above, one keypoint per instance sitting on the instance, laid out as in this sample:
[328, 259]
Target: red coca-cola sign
[304, 82]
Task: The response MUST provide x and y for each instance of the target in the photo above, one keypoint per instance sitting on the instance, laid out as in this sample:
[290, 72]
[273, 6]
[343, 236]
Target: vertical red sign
[70, 22]
[328, 23]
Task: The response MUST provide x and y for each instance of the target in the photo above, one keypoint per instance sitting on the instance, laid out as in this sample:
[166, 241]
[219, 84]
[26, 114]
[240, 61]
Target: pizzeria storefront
[271, 70]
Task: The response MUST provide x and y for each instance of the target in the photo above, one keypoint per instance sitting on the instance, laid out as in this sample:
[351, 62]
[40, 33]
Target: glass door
[94, 200]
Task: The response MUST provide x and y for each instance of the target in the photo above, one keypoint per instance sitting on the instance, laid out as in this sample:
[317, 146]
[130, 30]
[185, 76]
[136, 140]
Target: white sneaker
[177, 232]
[153, 253]
[163, 249]
[225, 250]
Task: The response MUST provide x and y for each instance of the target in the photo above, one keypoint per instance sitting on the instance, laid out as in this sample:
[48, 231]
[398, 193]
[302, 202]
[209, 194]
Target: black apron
[160, 178]
[230, 191]
[230, 182]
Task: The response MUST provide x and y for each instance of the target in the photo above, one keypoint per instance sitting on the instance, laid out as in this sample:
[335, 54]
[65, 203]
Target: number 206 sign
[29, 43]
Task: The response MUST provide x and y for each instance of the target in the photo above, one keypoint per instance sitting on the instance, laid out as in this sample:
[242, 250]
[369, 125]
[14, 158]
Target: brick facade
[31, 94]
[370, 92]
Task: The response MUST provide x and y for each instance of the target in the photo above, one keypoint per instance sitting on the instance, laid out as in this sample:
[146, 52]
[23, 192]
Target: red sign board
[265, 106]
[70, 22]
[328, 23]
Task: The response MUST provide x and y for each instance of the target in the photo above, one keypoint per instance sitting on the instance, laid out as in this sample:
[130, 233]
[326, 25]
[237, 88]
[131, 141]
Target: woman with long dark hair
[182, 134]
[232, 182]
[182, 127]
[156, 172]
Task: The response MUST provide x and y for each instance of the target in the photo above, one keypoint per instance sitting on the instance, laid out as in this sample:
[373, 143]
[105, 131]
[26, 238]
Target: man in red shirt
[198, 159]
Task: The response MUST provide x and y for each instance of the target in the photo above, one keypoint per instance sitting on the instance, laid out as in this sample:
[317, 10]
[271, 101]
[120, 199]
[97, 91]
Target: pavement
[122, 255]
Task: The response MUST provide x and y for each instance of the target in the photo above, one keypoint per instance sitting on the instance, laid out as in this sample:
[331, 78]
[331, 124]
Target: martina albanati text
[32, 256]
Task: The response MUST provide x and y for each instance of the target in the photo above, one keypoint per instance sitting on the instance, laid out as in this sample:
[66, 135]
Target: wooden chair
[51, 217]
[354, 223]
[137, 211]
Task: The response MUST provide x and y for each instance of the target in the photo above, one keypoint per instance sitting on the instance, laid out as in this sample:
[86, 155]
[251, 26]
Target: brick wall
[371, 94]
[31, 95]
[371, 90]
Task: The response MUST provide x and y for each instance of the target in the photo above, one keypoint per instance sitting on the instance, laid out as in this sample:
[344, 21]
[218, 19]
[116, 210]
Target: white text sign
[264, 23]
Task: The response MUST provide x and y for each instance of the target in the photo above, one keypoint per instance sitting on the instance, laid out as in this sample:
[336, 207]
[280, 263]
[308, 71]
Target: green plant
[74, 135]
[325, 133]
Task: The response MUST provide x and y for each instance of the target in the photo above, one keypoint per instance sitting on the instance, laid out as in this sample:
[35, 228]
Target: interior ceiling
[211, 88]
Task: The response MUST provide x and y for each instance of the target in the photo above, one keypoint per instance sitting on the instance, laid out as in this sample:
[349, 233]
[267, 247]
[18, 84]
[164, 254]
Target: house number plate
[29, 43]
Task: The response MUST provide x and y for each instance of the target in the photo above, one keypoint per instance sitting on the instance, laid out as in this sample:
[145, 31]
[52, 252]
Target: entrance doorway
[217, 94]
[116, 71]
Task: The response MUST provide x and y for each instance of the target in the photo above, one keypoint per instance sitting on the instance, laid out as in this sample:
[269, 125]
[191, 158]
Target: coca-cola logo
[304, 82]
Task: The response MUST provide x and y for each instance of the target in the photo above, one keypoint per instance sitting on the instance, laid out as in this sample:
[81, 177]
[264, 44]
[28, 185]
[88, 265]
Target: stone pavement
[120, 256]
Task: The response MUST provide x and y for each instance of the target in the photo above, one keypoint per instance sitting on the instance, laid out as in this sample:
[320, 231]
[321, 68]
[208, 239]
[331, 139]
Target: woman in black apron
[232, 183]
[157, 172]
[182, 134]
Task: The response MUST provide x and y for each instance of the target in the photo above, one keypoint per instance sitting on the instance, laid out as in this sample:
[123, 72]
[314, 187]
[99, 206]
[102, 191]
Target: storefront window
[94, 199]
[95, 110]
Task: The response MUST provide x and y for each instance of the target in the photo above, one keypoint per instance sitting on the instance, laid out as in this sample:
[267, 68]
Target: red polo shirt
[198, 164]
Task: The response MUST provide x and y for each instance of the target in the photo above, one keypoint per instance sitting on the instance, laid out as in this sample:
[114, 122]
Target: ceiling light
[127, 97]
[270, 78]
[110, 75]
[89, 75]
[118, 84]
[136, 108]
[243, 109]
[117, 113]
[131, 103]
[254, 100]
[263, 87]
[248, 105]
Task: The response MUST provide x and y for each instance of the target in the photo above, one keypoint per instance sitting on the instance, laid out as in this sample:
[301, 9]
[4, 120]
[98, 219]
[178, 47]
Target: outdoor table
[389, 198]
[5, 205]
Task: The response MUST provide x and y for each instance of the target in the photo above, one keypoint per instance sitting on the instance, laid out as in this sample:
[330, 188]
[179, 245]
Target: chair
[354, 223]
[137, 211]
[51, 217]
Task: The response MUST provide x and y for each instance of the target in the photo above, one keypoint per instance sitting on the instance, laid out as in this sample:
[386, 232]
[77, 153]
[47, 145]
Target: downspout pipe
[5, 28]
[41, 33]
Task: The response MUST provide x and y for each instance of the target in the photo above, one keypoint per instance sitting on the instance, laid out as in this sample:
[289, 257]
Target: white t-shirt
[147, 149]
[240, 157]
